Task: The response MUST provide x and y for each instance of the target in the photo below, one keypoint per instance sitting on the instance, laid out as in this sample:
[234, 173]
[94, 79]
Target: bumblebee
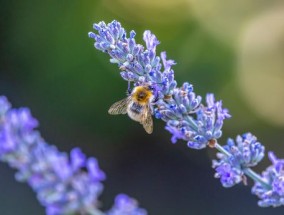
[137, 106]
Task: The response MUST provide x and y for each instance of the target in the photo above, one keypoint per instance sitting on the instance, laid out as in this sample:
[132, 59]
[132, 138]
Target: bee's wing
[147, 120]
[119, 107]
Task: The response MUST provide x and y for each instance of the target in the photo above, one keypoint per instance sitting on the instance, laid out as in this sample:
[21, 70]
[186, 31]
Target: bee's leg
[156, 95]
[128, 89]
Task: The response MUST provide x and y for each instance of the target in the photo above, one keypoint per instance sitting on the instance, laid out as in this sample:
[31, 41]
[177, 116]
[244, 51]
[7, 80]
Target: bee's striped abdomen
[136, 108]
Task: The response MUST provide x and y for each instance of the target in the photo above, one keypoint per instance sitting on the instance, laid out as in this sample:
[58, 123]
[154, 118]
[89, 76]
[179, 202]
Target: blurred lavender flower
[64, 184]
[274, 175]
[126, 206]
[240, 155]
[180, 108]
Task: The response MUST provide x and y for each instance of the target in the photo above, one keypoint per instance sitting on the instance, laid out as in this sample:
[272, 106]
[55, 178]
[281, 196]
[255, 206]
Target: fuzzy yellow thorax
[142, 95]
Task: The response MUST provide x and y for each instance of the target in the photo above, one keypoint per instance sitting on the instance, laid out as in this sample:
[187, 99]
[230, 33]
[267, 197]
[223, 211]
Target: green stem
[221, 149]
[256, 177]
[248, 171]
[192, 122]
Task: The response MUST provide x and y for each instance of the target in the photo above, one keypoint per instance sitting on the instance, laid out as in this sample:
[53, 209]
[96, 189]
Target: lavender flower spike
[274, 175]
[180, 108]
[186, 117]
[60, 180]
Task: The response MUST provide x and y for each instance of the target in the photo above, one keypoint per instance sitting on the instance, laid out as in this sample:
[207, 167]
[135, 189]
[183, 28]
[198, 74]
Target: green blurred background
[234, 49]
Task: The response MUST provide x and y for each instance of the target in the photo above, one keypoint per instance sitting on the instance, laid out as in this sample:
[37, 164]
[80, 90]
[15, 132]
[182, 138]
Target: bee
[137, 106]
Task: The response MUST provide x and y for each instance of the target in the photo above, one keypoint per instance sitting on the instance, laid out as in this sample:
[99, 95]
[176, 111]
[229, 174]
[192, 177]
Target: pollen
[142, 95]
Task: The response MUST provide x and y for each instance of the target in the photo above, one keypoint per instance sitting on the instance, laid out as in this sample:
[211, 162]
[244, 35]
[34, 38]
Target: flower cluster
[65, 184]
[126, 206]
[137, 64]
[238, 157]
[180, 108]
[186, 117]
[196, 131]
[274, 175]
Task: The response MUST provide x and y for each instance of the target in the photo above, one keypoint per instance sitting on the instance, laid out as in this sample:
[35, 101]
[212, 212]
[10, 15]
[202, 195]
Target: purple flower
[228, 174]
[4, 105]
[187, 118]
[126, 206]
[167, 63]
[274, 175]
[151, 41]
[65, 184]
[78, 159]
[240, 155]
[180, 108]
[138, 64]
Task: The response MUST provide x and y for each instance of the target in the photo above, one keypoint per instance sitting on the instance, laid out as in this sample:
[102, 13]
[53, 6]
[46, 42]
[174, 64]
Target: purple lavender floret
[65, 184]
[274, 175]
[125, 206]
[180, 108]
[228, 174]
[246, 152]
